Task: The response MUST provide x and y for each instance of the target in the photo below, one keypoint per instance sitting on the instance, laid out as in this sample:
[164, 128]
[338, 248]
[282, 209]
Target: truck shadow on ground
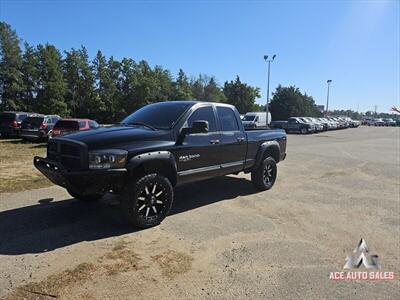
[50, 225]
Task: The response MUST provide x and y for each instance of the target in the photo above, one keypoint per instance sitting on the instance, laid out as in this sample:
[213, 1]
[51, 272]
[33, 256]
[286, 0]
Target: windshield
[159, 115]
[249, 118]
[34, 120]
[305, 120]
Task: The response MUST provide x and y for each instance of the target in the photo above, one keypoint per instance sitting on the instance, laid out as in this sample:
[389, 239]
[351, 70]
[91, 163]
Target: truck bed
[257, 136]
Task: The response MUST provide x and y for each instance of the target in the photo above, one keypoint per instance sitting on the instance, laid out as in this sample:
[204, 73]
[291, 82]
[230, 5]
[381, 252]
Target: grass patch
[55, 285]
[121, 259]
[17, 172]
[173, 263]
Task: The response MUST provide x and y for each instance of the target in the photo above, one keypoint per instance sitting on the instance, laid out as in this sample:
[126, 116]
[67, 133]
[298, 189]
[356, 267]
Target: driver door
[198, 157]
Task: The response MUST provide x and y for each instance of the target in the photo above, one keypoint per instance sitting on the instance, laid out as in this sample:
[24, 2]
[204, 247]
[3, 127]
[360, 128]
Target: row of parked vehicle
[39, 127]
[381, 122]
[305, 125]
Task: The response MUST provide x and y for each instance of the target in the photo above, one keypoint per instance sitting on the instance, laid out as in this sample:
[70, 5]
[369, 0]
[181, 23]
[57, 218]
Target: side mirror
[198, 126]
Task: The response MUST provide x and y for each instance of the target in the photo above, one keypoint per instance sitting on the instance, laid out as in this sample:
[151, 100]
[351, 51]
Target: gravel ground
[223, 239]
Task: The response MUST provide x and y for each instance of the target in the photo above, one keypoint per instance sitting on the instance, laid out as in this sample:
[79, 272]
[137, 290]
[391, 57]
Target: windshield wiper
[140, 124]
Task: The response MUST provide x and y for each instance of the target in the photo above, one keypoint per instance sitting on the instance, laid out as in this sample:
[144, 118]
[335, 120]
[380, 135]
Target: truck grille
[71, 155]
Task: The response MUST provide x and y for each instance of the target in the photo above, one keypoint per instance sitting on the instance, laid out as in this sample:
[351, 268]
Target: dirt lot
[16, 170]
[223, 239]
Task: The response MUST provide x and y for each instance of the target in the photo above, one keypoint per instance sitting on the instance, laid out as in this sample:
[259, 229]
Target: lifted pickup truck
[156, 148]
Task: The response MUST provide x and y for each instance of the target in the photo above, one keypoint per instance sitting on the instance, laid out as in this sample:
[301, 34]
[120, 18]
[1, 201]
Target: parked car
[366, 121]
[370, 122]
[66, 126]
[341, 123]
[38, 127]
[352, 123]
[389, 122]
[331, 125]
[378, 122]
[10, 122]
[158, 147]
[318, 126]
[294, 124]
[256, 119]
[323, 125]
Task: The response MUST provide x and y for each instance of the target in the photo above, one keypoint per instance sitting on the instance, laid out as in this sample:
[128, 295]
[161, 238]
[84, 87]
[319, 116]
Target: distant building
[321, 108]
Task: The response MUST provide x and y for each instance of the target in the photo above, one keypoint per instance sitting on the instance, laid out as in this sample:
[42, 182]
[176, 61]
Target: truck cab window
[204, 114]
[227, 118]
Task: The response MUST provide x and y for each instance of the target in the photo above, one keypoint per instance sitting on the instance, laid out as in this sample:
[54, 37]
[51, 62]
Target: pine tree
[197, 87]
[182, 90]
[30, 77]
[80, 84]
[51, 86]
[212, 92]
[106, 76]
[163, 88]
[11, 84]
[241, 95]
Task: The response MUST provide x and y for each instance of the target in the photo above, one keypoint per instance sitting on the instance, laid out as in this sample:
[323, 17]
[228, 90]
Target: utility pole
[269, 66]
[327, 97]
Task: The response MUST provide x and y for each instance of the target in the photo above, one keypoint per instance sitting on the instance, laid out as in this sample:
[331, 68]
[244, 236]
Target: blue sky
[354, 43]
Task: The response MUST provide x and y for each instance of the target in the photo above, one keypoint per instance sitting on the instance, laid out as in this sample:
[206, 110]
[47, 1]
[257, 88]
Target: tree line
[289, 102]
[43, 79]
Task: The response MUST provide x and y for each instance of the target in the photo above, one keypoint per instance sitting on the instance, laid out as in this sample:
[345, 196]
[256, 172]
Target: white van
[256, 119]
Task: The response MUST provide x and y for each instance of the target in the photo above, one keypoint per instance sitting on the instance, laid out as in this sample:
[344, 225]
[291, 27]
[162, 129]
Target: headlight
[107, 159]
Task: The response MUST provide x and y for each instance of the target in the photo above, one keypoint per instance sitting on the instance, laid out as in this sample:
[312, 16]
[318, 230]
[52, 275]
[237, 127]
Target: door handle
[240, 139]
[214, 142]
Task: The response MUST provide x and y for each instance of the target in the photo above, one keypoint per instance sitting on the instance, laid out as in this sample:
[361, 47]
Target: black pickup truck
[156, 148]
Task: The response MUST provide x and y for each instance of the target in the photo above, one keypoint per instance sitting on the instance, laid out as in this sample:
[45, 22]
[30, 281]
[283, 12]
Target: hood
[115, 136]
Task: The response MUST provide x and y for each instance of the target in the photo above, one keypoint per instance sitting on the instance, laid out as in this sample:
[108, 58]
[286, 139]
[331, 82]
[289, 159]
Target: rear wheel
[85, 197]
[264, 176]
[148, 201]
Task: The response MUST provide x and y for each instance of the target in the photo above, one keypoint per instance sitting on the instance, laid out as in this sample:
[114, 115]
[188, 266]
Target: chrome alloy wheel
[268, 174]
[151, 200]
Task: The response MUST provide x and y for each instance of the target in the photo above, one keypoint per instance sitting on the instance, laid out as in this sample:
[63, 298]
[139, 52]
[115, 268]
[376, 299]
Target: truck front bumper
[86, 182]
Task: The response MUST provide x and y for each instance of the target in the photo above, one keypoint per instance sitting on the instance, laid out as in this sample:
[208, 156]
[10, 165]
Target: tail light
[55, 132]
[14, 124]
[43, 126]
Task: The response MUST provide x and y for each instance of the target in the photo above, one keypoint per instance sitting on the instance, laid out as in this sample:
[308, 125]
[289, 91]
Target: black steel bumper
[90, 181]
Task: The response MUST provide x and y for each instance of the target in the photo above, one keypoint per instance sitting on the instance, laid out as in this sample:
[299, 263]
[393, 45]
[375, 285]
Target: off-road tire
[264, 176]
[144, 205]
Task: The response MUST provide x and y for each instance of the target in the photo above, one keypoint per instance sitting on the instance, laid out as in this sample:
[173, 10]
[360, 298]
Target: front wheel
[264, 176]
[147, 202]
[303, 130]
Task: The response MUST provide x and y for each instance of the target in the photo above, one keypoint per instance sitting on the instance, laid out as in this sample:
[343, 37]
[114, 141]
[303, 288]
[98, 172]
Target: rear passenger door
[233, 145]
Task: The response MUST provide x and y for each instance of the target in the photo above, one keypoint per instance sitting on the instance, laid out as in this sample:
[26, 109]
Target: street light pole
[327, 96]
[269, 67]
